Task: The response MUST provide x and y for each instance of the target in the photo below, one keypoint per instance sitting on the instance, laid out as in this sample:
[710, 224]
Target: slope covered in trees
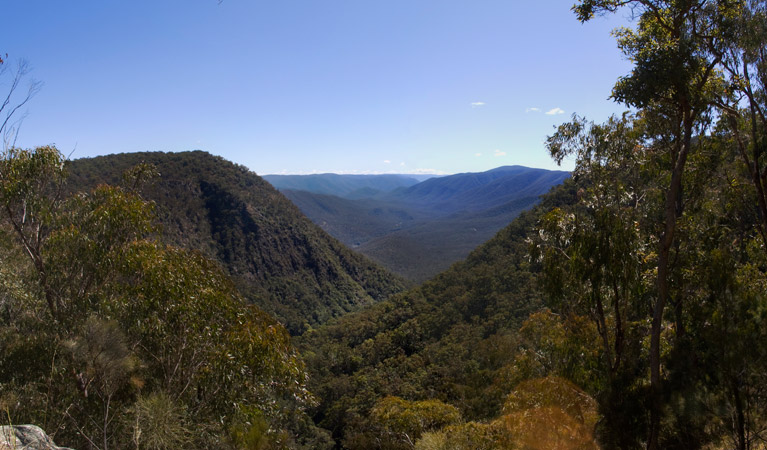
[419, 231]
[278, 259]
[636, 292]
[454, 339]
[111, 339]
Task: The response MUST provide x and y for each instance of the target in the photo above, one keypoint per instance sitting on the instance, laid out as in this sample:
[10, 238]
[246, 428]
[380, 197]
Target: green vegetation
[626, 310]
[111, 339]
[277, 258]
[651, 262]
[454, 339]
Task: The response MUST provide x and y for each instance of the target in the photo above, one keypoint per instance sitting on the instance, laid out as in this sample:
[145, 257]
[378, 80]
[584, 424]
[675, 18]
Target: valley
[418, 229]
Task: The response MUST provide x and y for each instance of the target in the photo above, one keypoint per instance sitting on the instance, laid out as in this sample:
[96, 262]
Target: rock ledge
[26, 437]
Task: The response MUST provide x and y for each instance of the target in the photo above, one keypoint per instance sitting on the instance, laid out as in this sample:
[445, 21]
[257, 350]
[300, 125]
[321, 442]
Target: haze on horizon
[431, 87]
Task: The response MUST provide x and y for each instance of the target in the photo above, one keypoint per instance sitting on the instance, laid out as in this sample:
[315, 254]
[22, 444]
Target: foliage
[467, 436]
[159, 423]
[132, 340]
[452, 339]
[395, 423]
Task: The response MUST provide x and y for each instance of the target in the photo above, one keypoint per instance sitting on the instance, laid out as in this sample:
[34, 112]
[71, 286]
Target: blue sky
[303, 86]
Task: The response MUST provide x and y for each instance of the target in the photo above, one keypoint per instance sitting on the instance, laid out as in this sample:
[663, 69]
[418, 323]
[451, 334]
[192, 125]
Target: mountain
[472, 192]
[455, 338]
[278, 258]
[346, 186]
[419, 231]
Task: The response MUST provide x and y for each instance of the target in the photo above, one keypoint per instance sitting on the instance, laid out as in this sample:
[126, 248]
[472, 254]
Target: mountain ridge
[343, 185]
[278, 259]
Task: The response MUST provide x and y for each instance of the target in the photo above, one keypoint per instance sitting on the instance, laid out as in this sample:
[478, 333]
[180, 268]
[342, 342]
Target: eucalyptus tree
[594, 257]
[673, 85]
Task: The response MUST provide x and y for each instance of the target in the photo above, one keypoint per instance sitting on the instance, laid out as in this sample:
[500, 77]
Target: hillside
[472, 192]
[453, 339]
[279, 259]
[421, 230]
[355, 221]
[430, 247]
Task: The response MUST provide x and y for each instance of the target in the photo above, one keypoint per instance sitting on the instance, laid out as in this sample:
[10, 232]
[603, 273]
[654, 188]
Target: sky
[313, 86]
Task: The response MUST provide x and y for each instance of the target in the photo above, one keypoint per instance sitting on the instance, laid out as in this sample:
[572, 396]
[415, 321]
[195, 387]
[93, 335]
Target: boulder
[26, 437]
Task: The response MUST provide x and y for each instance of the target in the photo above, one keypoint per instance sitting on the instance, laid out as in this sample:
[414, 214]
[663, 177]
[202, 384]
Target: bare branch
[14, 101]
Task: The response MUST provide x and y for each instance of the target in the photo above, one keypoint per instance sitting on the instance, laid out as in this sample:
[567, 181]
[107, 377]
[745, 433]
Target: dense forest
[626, 310]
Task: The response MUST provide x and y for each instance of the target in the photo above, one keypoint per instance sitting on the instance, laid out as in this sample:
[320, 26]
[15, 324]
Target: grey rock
[26, 437]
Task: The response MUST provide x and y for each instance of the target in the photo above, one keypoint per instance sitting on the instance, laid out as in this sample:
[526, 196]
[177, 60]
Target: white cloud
[477, 104]
[497, 152]
[402, 164]
[386, 161]
[555, 111]
[529, 110]
[478, 154]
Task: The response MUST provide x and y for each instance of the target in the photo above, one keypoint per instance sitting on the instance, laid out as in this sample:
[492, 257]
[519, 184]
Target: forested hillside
[277, 258]
[628, 309]
[419, 231]
[455, 339]
[110, 338]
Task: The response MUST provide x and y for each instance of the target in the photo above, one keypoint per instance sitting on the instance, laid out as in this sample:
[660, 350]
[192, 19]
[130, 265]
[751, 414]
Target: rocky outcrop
[26, 437]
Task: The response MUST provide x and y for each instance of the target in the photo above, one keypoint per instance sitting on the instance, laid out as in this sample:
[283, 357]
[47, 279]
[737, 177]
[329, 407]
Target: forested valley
[166, 301]
[418, 230]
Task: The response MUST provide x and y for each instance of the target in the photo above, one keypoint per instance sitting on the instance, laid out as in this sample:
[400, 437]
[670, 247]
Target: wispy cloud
[402, 164]
[478, 154]
[555, 111]
[497, 152]
[529, 110]
[386, 161]
[477, 104]
[428, 172]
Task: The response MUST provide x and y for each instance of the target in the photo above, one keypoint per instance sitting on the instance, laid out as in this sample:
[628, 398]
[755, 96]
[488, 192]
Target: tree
[674, 85]
[397, 423]
[594, 258]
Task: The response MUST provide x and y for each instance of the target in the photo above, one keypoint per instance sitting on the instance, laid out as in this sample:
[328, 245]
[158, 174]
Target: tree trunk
[740, 420]
[672, 211]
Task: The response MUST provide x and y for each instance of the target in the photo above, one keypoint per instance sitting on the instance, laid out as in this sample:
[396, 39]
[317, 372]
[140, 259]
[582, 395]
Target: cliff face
[27, 437]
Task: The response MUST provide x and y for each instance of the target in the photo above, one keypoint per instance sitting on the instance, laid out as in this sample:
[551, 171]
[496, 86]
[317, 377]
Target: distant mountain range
[346, 186]
[418, 229]
[278, 259]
